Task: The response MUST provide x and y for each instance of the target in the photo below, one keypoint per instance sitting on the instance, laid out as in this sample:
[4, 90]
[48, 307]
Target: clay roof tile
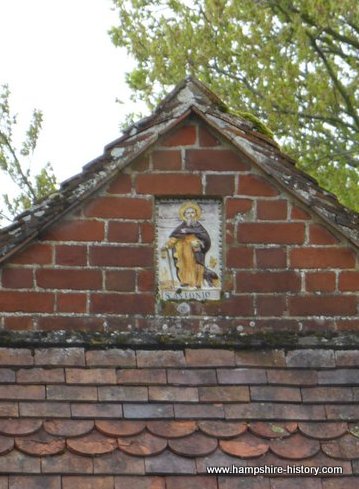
[245, 446]
[296, 447]
[195, 445]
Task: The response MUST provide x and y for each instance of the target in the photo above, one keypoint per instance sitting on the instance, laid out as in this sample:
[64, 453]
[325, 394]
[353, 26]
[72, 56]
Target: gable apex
[189, 97]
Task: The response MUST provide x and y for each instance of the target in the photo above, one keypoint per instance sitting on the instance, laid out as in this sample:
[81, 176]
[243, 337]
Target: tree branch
[24, 178]
[336, 81]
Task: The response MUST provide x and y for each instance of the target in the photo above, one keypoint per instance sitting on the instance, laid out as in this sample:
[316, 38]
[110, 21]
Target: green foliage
[16, 164]
[293, 64]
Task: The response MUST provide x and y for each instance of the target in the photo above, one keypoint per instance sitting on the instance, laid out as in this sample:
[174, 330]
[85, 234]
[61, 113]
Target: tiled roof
[120, 413]
[189, 97]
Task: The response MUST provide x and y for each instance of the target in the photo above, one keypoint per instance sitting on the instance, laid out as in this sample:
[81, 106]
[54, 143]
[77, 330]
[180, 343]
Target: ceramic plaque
[189, 244]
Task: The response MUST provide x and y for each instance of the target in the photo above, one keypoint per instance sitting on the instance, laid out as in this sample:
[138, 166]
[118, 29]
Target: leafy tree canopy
[292, 63]
[16, 164]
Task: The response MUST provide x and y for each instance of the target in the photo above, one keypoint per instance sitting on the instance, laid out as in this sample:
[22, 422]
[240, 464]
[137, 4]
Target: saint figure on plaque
[189, 244]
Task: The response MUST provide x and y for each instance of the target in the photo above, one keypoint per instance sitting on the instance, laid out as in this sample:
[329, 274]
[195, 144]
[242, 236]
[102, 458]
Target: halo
[189, 205]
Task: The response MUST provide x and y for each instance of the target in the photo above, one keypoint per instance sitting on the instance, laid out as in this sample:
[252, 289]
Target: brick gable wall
[95, 270]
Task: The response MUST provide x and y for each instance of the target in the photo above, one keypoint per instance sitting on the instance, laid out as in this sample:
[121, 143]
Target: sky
[56, 56]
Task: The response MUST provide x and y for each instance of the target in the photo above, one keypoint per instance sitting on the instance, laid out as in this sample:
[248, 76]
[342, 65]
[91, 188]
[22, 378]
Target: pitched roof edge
[286, 173]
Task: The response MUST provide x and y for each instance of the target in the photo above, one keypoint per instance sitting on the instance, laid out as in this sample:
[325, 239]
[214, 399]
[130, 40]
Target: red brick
[69, 279]
[229, 234]
[17, 278]
[347, 325]
[121, 185]
[206, 357]
[55, 323]
[71, 302]
[166, 184]
[35, 482]
[320, 282]
[322, 305]
[240, 305]
[219, 185]
[77, 230]
[272, 305]
[214, 160]
[240, 257]
[88, 482]
[121, 280]
[349, 281]
[146, 280]
[298, 213]
[237, 206]
[268, 282]
[122, 256]
[183, 136]
[116, 207]
[71, 255]
[39, 254]
[255, 185]
[271, 257]
[123, 232]
[91, 376]
[166, 160]
[322, 258]
[26, 302]
[206, 138]
[147, 232]
[141, 164]
[272, 210]
[319, 235]
[276, 233]
[122, 303]
[17, 323]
